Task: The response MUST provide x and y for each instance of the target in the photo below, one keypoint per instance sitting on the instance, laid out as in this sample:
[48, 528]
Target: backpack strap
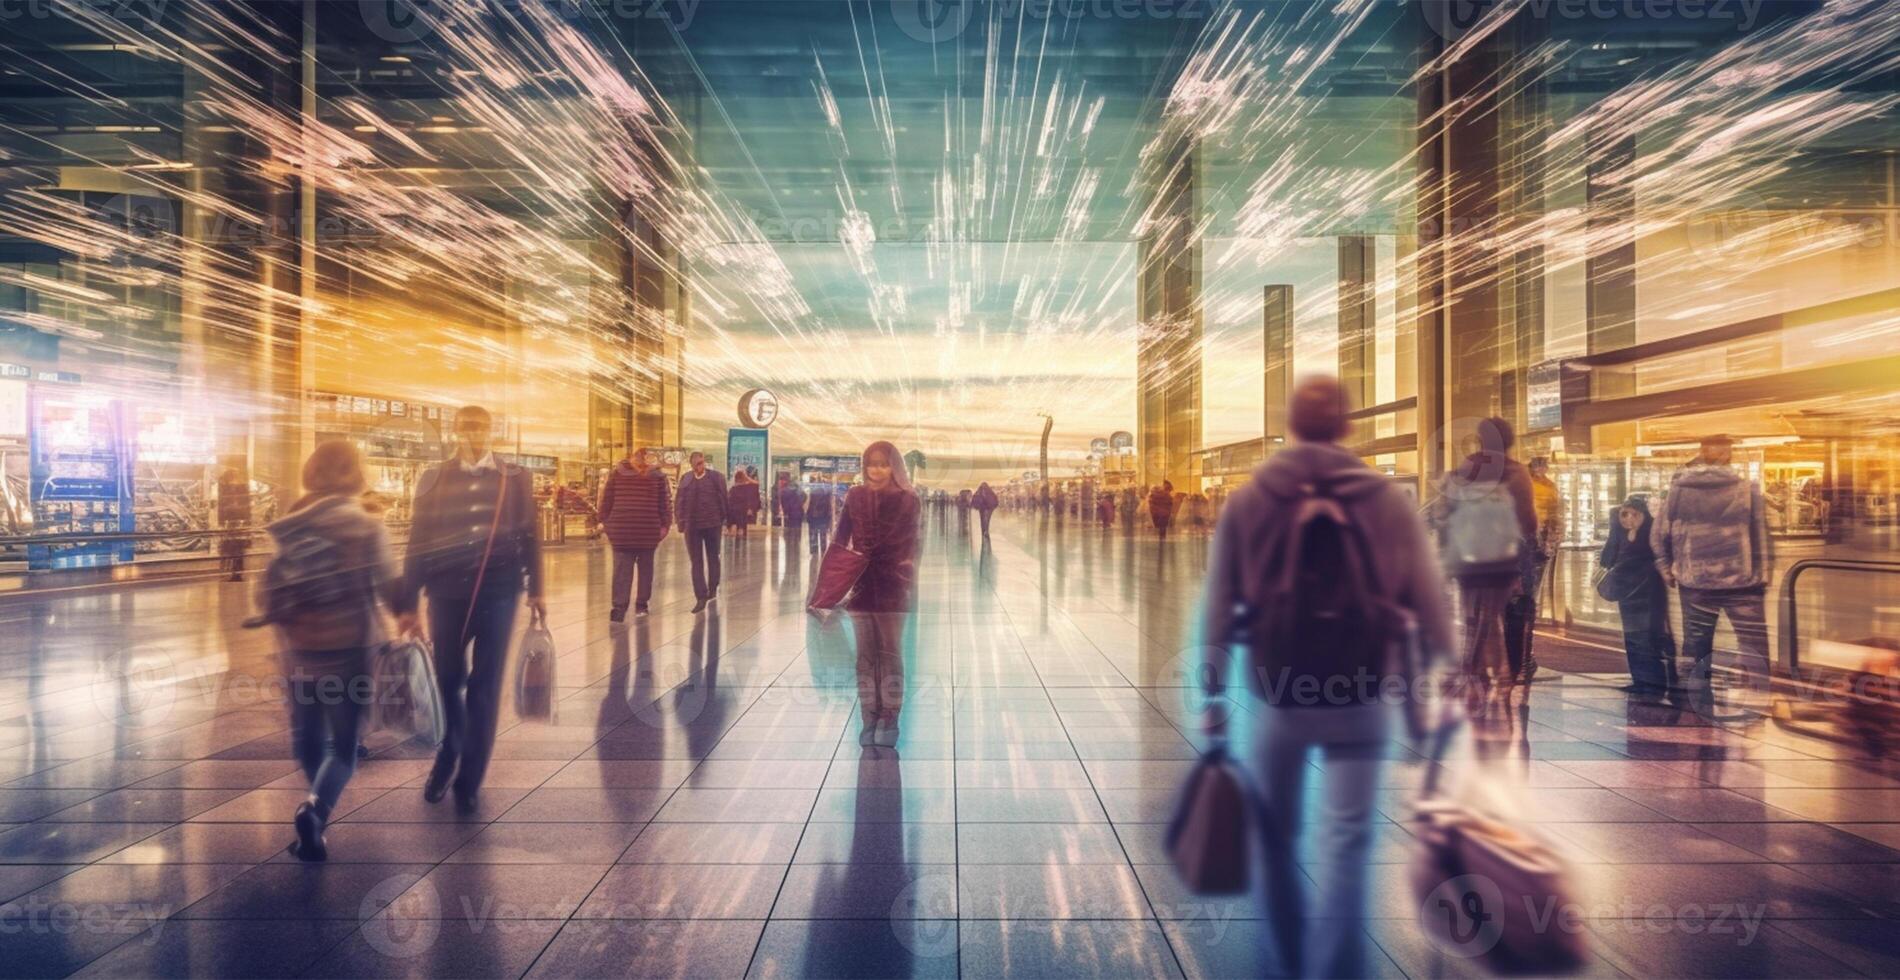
[488, 551]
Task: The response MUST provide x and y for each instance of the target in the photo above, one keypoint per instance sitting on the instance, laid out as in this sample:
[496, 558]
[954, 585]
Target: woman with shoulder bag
[1629, 578]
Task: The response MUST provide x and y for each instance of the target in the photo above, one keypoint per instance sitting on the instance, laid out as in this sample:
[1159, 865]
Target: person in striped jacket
[636, 511]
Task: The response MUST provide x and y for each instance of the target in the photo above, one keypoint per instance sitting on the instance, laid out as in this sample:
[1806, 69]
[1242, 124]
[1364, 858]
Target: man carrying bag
[1323, 572]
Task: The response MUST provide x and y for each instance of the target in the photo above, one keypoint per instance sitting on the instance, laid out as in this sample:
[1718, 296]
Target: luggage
[1207, 838]
[1482, 536]
[406, 702]
[838, 572]
[1490, 891]
[534, 673]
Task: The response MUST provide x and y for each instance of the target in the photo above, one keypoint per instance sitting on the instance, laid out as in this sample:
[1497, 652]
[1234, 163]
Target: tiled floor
[701, 807]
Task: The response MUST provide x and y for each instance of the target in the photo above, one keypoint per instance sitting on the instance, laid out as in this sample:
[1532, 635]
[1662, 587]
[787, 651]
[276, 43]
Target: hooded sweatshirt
[365, 543]
[1712, 532]
[1258, 514]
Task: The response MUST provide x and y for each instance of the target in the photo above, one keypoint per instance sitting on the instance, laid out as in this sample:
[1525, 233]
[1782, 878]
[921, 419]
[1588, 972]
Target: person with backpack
[1320, 566]
[985, 503]
[472, 547]
[1489, 522]
[636, 511]
[322, 590]
[1711, 542]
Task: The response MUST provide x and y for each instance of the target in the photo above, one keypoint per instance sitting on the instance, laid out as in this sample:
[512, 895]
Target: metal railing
[1789, 648]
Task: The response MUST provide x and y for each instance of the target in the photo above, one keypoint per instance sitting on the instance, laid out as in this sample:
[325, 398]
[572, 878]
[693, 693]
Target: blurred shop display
[81, 478]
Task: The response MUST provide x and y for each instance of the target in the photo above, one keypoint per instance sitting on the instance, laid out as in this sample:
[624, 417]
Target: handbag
[534, 673]
[838, 572]
[1207, 838]
[405, 700]
[1491, 892]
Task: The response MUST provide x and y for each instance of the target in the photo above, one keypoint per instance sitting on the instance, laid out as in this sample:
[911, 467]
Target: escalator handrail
[1789, 653]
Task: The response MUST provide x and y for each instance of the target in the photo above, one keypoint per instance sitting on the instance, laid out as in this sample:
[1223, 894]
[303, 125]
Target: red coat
[635, 510]
[1160, 506]
[884, 527]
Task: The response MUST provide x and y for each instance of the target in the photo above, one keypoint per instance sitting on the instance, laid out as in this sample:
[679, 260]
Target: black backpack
[311, 579]
[1321, 631]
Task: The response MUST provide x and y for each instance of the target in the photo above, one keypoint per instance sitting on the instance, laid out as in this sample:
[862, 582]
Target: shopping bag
[837, 574]
[1207, 838]
[534, 673]
[1489, 889]
[406, 702]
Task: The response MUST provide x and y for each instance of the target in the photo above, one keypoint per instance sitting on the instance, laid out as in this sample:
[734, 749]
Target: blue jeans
[327, 693]
[1747, 613]
[1353, 740]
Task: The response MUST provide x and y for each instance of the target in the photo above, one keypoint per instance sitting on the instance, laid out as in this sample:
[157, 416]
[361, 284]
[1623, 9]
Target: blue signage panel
[747, 447]
[80, 465]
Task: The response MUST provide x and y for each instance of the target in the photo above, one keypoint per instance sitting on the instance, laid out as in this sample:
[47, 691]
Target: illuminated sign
[757, 409]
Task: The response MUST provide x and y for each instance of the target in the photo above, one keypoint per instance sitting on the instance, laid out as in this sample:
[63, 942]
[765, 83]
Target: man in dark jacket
[1711, 540]
[636, 511]
[702, 516]
[985, 504]
[472, 546]
[1352, 732]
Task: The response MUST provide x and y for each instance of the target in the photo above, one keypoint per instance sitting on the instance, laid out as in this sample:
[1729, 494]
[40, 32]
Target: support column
[1525, 125]
[1610, 274]
[1358, 316]
[1459, 271]
[1278, 345]
[1168, 344]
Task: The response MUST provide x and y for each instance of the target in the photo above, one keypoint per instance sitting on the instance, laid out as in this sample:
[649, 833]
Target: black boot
[311, 817]
[438, 784]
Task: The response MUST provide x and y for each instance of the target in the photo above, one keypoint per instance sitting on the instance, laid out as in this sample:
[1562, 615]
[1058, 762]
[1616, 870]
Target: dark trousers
[469, 717]
[984, 516]
[820, 535]
[627, 563]
[327, 694]
[1747, 613]
[1647, 645]
[702, 546]
[1520, 616]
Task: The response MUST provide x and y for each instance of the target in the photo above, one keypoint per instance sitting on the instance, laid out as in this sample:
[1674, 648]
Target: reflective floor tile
[491, 892]
[884, 805]
[690, 805]
[1037, 891]
[649, 949]
[1871, 946]
[277, 805]
[406, 805]
[1802, 843]
[99, 773]
[18, 879]
[140, 805]
[614, 805]
[715, 843]
[69, 843]
[188, 949]
[863, 890]
[856, 948]
[759, 774]
[621, 773]
[1065, 949]
[554, 843]
[877, 843]
[1018, 805]
[684, 891]
[1038, 843]
[207, 843]
[376, 843]
[428, 950]
[24, 805]
[1215, 950]
[221, 774]
[307, 891]
[1650, 843]
[1657, 947]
